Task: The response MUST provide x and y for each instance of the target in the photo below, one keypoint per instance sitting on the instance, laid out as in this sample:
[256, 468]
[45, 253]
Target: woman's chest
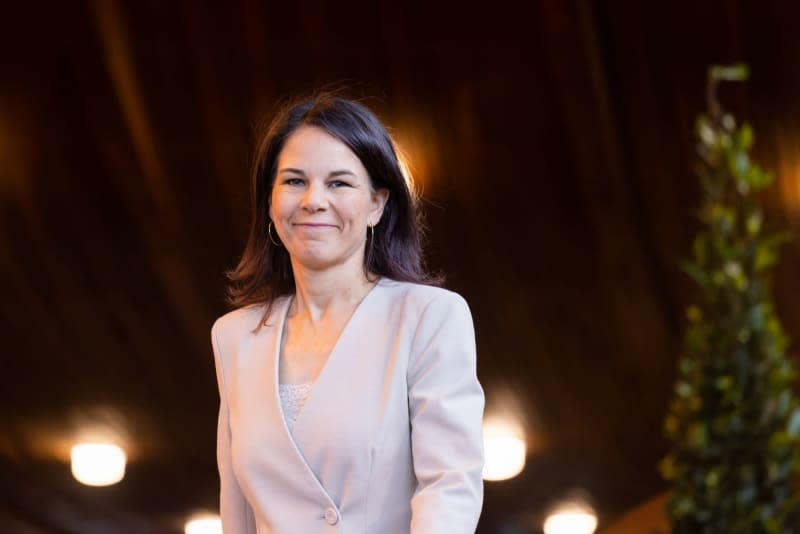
[305, 351]
[302, 364]
[358, 404]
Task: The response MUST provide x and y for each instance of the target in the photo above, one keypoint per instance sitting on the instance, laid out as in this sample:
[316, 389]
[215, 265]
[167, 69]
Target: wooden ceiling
[553, 143]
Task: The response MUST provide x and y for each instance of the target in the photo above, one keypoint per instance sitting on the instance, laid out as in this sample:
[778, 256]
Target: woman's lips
[314, 226]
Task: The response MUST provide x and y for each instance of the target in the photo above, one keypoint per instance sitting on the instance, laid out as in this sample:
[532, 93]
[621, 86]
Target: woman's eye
[293, 181]
[338, 183]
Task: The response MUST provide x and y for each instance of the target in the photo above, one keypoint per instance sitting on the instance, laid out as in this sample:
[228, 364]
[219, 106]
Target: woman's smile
[315, 225]
[315, 231]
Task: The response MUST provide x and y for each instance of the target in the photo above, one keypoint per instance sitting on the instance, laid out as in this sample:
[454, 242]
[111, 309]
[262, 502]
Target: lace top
[293, 397]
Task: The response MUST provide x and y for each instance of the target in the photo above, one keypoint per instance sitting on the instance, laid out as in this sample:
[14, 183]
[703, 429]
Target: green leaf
[696, 273]
[721, 425]
[694, 314]
[784, 402]
[723, 221]
[712, 478]
[705, 131]
[725, 140]
[733, 269]
[744, 137]
[724, 383]
[772, 526]
[736, 72]
[757, 317]
[667, 467]
[746, 495]
[779, 441]
[753, 222]
[683, 389]
[793, 426]
[758, 178]
[766, 257]
[696, 338]
[767, 250]
[681, 507]
[698, 435]
[739, 164]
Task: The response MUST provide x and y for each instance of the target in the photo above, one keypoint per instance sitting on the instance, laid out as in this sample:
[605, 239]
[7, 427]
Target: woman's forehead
[310, 149]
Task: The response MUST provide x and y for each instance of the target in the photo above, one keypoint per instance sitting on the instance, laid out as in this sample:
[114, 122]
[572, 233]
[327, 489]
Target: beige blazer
[390, 439]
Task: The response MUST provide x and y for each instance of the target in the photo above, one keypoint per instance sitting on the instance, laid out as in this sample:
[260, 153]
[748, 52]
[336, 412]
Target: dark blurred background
[553, 143]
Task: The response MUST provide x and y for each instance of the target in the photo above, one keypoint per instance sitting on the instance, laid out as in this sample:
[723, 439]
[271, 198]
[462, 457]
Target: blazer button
[331, 516]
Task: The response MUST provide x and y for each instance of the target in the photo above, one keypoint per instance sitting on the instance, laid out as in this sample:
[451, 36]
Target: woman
[349, 397]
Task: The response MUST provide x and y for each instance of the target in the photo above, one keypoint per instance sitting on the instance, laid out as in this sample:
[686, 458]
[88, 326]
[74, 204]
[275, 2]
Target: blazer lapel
[258, 379]
[340, 360]
[334, 425]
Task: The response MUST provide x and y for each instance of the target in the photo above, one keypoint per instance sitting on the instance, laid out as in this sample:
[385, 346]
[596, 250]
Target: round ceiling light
[98, 464]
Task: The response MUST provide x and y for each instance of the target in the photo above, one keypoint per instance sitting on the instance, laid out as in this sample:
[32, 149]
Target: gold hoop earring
[269, 233]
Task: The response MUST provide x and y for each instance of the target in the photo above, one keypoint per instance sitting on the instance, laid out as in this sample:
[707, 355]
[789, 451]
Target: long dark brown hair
[394, 251]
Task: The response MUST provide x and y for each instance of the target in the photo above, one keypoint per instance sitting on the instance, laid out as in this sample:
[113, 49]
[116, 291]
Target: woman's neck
[320, 293]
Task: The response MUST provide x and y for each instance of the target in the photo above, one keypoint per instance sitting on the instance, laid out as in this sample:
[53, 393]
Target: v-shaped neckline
[319, 379]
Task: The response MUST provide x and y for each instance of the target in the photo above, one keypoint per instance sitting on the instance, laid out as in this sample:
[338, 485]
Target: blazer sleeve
[235, 512]
[446, 412]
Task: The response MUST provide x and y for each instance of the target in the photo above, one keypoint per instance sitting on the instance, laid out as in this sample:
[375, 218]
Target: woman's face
[322, 201]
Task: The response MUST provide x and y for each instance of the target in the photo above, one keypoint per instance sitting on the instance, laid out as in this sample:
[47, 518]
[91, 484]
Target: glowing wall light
[504, 449]
[571, 518]
[204, 524]
[98, 464]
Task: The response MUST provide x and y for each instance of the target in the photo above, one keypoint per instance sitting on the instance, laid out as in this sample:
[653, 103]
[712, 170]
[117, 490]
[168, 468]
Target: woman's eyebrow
[341, 172]
[332, 174]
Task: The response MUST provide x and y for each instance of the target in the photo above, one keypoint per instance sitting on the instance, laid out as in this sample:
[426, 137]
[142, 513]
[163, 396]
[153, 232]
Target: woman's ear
[379, 198]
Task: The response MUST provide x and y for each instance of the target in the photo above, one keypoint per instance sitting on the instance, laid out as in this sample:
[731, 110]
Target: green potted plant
[734, 420]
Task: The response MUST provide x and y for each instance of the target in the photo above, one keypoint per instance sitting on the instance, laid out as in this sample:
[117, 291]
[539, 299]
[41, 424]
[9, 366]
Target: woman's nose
[314, 197]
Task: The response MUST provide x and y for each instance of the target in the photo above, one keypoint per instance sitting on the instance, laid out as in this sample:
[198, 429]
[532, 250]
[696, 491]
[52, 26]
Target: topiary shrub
[734, 421]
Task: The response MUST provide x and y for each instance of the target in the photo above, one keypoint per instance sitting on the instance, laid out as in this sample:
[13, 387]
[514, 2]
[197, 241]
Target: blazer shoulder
[421, 296]
[246, 318]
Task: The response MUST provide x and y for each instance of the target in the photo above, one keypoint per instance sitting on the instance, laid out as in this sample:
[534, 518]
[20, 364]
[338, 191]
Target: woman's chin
[320, 261]
[315, 262]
